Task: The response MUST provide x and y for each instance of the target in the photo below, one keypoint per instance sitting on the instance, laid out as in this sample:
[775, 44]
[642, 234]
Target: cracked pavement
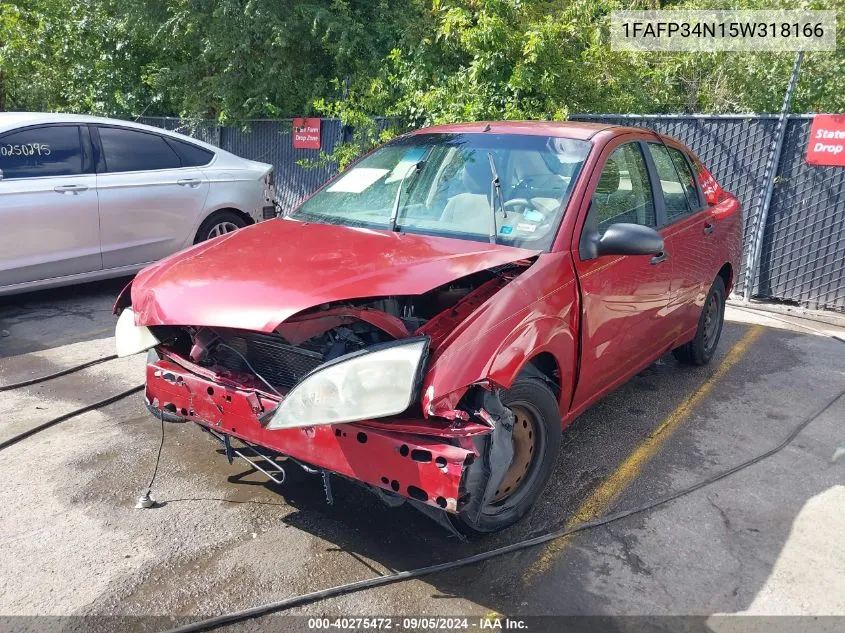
[768, 540]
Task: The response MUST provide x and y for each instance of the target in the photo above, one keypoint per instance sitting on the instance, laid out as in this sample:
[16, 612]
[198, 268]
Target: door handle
[661, 257]
[71, 189]
[189, 182]
[708, 229]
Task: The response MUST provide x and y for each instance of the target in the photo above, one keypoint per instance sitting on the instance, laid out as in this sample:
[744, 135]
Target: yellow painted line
[600, 501]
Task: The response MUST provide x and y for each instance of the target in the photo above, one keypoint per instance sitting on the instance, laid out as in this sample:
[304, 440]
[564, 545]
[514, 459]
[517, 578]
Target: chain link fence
[803, 256]
[803, 251]
[298, 172]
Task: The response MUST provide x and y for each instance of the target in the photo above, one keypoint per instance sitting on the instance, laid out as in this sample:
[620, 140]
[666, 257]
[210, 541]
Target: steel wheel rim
[525, 440]
[711, 322]
[221, 228]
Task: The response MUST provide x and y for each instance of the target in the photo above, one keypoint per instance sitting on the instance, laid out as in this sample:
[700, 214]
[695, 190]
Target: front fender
[552, 335]
[455, 371]
[508, 331]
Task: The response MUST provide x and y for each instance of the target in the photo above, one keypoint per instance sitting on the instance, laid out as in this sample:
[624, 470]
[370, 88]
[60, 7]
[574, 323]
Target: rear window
[687, 179]
[190, 155]
[37, 152]
[675, 192]
[131, 150]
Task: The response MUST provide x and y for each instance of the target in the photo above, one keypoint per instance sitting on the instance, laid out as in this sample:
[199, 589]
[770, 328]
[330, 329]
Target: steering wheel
[522, 203]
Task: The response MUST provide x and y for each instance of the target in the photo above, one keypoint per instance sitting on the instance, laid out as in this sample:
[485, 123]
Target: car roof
[565, 129]
[12, 120]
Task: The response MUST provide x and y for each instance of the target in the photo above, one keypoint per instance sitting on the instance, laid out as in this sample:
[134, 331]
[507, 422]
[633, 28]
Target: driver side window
[623, 192]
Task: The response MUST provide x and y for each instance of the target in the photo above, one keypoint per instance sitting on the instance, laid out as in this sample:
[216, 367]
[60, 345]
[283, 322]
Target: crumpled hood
[257, 277]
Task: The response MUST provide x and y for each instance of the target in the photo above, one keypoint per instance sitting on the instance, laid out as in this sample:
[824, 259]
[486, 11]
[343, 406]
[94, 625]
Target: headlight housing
[372, 383]
[130, 338]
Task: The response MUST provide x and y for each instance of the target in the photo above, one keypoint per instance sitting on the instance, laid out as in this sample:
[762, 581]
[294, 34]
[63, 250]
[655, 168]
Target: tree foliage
[488, 59]
[421, 61]
[77, 55]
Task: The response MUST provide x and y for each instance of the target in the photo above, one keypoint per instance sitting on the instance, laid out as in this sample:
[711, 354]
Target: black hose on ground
[58, 374]
[67, 416]
[380, 581]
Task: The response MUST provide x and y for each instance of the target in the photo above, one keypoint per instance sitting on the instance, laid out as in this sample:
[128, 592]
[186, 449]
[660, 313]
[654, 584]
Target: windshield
[443, 184]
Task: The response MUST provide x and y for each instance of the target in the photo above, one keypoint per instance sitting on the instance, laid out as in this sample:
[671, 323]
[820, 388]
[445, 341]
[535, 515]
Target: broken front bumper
[427, 468]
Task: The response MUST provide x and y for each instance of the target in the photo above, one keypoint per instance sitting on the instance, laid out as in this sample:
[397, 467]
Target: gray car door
[48, 204]
[149, 202]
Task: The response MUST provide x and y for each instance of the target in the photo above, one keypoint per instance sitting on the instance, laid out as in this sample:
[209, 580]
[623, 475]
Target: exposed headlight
[130, 338]
[372, 383]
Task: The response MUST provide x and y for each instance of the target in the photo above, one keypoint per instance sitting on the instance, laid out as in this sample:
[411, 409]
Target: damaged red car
[429, 321]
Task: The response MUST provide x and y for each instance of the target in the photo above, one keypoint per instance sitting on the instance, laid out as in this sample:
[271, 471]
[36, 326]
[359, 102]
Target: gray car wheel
[218, 224]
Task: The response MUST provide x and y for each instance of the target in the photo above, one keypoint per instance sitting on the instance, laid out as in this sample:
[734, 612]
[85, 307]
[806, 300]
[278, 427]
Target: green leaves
[419, 61]
[74, 55]
[538, 59]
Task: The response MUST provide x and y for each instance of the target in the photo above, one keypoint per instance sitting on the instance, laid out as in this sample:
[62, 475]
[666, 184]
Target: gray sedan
[85, 198]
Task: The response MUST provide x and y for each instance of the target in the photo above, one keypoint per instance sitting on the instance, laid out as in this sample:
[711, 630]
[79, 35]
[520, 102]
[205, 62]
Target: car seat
[470, 211]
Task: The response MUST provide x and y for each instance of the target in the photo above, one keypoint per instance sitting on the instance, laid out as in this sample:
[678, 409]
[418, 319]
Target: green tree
[74, 55]
[417, 61]
[239, 59]
[535, 59]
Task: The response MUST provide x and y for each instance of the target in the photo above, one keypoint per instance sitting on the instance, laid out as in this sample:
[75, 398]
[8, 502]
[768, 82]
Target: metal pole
[752, 263]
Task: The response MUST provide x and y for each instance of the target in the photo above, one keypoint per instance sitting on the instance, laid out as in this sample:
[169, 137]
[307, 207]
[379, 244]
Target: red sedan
[430, 320]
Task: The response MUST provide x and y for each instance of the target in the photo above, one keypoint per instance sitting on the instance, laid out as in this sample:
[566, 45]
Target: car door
[48, 204]
[689, 233]
[149, 203]
[625, 298]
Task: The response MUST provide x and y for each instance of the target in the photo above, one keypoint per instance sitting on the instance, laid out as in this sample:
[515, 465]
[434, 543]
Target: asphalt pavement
[769, 540]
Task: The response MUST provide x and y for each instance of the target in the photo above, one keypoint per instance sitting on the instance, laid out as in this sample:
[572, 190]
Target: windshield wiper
[394, 211]
[496, 186]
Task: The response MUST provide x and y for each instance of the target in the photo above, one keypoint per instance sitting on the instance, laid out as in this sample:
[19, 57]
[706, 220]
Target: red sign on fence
[306, 133]
[827, 140]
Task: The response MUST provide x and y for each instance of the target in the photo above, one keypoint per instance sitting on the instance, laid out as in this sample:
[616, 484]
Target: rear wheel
[536, 440]
[700, 350]
[219, 223]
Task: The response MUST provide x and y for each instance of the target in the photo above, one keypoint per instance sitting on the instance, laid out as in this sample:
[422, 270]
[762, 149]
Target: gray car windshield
[444, 184]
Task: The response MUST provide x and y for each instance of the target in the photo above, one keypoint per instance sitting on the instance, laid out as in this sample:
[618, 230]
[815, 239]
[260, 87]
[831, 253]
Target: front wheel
[536, 440]
[700, 350]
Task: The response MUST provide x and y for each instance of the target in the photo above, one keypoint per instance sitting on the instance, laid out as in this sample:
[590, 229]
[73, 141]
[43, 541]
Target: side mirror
[629, 239]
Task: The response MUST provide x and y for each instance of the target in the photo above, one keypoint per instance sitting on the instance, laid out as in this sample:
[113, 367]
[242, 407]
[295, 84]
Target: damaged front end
[338, 389]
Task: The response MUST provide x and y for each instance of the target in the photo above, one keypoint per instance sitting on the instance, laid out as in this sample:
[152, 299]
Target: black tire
[700, 350]
[531, 394]
[215, 221]
[173, 418]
